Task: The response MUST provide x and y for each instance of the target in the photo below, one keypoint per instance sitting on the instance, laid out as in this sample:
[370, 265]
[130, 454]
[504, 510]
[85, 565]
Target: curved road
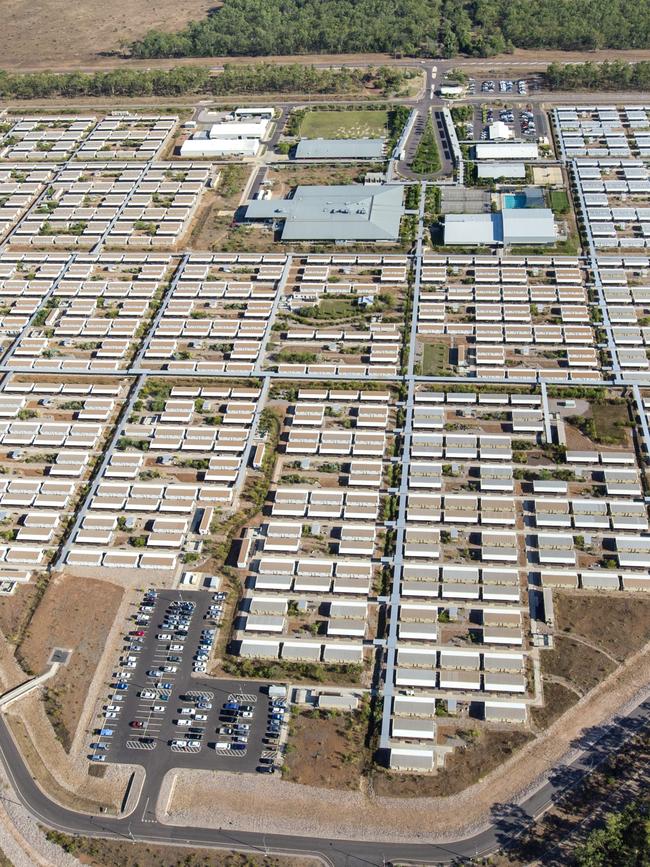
[511, 820]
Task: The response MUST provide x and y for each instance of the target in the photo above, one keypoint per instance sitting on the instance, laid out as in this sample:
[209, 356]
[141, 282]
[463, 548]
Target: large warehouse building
[227, 139]
[511, 226]
[340, 149]
[335, 213]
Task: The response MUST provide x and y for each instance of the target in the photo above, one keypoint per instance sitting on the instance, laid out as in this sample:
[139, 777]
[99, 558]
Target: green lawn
[364, 123]
[559, 201]
[435, 359]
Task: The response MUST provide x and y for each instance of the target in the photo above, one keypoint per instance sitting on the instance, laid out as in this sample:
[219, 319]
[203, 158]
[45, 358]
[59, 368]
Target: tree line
[616, 75]
[411, 27]
[182, 80]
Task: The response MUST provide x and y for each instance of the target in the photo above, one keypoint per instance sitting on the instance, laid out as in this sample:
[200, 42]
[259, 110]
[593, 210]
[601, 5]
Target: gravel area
[21, 839]
[255, 803]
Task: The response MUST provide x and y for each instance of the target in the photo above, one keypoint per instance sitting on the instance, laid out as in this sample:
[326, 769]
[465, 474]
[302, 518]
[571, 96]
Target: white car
[164, 636]
[159, 708]
[200, 717]
[147, 693]
[110, 714]
[183, 722]
[170, 669]
[176, 646]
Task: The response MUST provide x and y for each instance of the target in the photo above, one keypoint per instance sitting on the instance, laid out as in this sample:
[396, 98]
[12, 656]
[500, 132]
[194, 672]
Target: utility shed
[338, 702]
[349, 212]
[340, 149]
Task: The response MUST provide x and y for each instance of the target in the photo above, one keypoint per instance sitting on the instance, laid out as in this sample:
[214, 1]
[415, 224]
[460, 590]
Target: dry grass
[616, 622]
[484, 751]
[326, 749]
[583, 667]
[110, 853]
[14, 609]
[557, 700]
[65, 619]
[63, 35]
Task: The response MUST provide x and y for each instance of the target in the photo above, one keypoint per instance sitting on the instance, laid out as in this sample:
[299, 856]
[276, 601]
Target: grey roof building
[501, 170]
[511, 226]
[335, 213]
[340, 149]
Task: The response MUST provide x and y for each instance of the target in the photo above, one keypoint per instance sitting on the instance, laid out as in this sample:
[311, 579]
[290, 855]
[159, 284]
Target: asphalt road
[508, 820]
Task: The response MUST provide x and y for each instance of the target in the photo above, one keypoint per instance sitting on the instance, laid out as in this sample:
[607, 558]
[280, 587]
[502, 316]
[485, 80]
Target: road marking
[246, 697]
[138, 745]
[235, 754]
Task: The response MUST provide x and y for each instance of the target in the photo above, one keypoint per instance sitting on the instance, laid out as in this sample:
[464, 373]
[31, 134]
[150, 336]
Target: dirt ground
[616, 622]
[14, 609]
[61, 35]
[581, 666]
[284, 179]
[56, 623]
[557, 700]
[465, 766]
[325, 750]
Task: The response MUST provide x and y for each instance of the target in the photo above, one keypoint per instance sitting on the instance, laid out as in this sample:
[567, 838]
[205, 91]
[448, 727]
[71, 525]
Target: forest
[181, 80]
[599, 76]
[427, 28]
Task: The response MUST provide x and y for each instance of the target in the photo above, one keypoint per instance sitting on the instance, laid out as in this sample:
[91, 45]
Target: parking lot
[161, 707]
[524, 122]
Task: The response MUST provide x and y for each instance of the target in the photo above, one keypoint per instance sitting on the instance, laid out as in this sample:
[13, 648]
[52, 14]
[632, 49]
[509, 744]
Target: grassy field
[63, 36]
[559, 201]
[611, 421]
[344, 124]
[435, 359]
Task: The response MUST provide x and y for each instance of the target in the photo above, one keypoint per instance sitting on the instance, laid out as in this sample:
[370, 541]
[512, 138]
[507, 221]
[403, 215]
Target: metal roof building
[512, 150]
[499, 130]
[239, 129]
[501, 170]
[201, 146]
[340, 149]
[511, 226]
[335, 213]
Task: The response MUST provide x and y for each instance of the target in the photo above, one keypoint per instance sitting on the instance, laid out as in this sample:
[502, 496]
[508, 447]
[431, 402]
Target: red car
[139, 633]
[136, 724]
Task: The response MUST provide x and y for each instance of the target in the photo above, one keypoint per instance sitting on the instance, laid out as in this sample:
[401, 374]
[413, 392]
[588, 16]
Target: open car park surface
[156, 719]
